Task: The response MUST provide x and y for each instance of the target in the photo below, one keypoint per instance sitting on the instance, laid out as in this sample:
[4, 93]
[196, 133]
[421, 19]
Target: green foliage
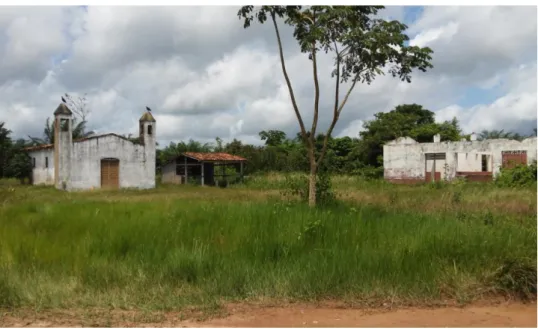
[410, 120]
[14, 163]
[517, 277]
[176, 149]
[362, 44]
[517, 176]
[369, 172]
[311, 231]
[9, 297]
[367, 43]
[80, 110]
[456, 197]
[273, 137]
[501, 134]
[19, 165]
[5, 148]
[438, 184]
[139, 249]
[298, 185]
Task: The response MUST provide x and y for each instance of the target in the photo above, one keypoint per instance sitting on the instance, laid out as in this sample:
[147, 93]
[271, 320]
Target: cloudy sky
[205, 76]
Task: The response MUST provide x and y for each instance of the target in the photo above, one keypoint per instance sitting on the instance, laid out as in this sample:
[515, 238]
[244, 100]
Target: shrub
[369, 172]
[517, 277]
[518, 176]
[8, 295]
[298, 186]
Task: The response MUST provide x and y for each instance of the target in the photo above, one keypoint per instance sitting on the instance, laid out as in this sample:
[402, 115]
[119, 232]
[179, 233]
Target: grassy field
[179, 246]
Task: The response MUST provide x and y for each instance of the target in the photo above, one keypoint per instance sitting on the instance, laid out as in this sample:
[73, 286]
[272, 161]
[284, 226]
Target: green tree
[405, 120]
[18, 165]
[273, 137]
[493, 134]
[362, 45]
[79, 106]
[14, 162]
[219, 147]
[5, 146]
[78, 132]
[500, 134]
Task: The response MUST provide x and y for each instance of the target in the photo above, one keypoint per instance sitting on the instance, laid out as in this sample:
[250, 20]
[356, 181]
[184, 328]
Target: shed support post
[186, 172]
[223, 167]
[202, 165]
[241, 171]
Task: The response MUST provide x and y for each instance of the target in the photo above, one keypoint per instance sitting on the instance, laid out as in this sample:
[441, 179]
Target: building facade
[101, 161]
[407, 161]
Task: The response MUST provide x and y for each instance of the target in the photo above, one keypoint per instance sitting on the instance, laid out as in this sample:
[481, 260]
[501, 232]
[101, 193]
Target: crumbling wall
[404, 158]
[403, 161]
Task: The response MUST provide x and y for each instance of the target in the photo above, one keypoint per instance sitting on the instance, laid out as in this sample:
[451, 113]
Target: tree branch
[284, 71]
[337, 109]
[316, 91]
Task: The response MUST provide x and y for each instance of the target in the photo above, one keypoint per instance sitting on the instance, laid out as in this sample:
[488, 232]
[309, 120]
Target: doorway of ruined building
[434, 165]
[512, 158]
[476, 167]
[110, 173]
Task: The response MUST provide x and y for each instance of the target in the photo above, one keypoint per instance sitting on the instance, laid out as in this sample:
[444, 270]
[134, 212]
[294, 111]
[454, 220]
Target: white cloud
[425, 38]
[514, 110]
[353, 129]
[205, 76]
[240, 76]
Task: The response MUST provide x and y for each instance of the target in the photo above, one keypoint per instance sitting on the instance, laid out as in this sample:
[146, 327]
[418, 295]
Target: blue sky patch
[474, 95]
[412, 13]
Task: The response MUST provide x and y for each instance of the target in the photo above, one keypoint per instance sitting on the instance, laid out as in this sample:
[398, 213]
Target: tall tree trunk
[312, 189]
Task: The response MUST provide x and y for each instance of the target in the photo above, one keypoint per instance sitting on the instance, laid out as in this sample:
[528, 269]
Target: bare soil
[506, 314]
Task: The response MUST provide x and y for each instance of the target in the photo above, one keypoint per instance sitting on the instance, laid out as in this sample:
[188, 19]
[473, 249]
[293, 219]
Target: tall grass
[65, 250]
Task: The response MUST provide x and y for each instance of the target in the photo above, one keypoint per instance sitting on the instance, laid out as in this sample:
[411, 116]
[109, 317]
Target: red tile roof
[213, 156]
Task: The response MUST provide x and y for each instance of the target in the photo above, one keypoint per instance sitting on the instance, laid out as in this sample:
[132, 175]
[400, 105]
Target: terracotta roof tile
[213, 156]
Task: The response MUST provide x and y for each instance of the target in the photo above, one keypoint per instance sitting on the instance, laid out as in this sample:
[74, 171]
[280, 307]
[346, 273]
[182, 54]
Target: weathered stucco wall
[404, 158]
[169, 174]
[77, 165]
[41, 174]
[136, 166]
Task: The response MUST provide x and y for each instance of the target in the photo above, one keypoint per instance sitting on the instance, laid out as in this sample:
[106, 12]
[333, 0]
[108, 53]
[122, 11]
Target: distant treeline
[362, 155]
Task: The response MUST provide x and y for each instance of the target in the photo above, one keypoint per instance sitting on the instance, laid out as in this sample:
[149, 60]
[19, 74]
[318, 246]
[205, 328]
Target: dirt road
[501, 315]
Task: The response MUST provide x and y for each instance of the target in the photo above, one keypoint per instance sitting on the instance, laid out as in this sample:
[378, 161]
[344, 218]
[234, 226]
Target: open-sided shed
[202, 167]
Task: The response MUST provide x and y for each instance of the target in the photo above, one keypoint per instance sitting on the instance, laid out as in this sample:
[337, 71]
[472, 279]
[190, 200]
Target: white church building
[100, 161]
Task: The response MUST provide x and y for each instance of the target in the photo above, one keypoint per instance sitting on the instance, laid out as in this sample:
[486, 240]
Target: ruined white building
[101, 161]
[407, 161]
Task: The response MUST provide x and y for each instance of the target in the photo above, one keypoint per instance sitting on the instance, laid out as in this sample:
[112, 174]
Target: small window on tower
[64, 125]
[150, 129]
[33, 162]
[46, 162]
